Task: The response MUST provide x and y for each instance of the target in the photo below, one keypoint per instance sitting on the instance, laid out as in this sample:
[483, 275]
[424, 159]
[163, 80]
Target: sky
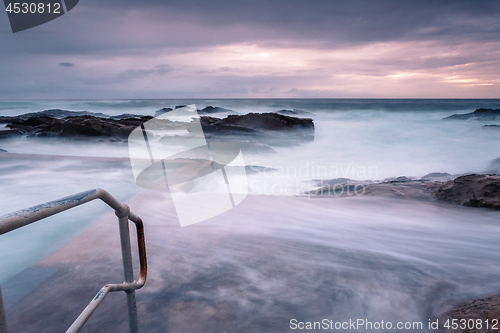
[257, 49]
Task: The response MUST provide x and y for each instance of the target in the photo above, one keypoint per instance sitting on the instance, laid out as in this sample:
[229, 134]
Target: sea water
[354, 138]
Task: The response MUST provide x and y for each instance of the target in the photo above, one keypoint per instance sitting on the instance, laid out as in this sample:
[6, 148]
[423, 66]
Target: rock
[436, 175]
[126, 116]
[56, 113]
[493, 167]
[479, 114]
[213, 109]
[404, 188]
[253, 132]
[257, 169]
[400, 179]
[258, 121]
[10, 133]
[162, 111]
[492, 127]
[472, 190]
[257, 133]
[469, 190]
[3, 150]
[483, 308]
[217, 125]
[80, 126]
[258, 124]
[292, 112]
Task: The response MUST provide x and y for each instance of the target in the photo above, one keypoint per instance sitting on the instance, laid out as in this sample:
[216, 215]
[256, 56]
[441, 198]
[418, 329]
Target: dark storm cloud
[333, 21]
[115, 42]
[126, 25]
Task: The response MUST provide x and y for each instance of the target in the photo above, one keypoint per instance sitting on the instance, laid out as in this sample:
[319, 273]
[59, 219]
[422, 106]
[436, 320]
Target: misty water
[372, 258]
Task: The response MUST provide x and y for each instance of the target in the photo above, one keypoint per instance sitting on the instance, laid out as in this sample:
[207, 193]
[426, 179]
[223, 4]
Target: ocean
[369, 257]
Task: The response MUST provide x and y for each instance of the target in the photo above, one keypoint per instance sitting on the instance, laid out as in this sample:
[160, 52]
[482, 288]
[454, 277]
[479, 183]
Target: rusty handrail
[33, 214]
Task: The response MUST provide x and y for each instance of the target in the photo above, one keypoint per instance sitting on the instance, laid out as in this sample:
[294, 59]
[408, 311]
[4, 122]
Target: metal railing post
[3, 319]
[128, 270]
[33, 214]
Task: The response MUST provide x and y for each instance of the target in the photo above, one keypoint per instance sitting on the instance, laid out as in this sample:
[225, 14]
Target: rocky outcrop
[256, 121]
[269, 129]
[469, 190]
[400, 187]
[10, 133]
[472, 190]
[483, 308]
[80, 126]
[207, 110]
[162, 111]
[213, 109]
[479, 114]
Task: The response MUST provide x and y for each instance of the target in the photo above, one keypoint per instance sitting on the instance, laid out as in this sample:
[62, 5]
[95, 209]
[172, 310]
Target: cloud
[259, 48]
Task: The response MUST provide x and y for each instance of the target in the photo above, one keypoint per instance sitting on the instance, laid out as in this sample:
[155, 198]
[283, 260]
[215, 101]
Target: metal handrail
[33, 214]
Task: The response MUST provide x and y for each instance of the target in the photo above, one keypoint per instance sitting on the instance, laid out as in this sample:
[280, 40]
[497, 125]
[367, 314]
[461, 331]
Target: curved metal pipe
[33, 214]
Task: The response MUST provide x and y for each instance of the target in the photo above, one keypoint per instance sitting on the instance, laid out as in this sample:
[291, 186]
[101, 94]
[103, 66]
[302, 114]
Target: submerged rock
[162, 111]
[469, 190]
[472, 190]
[479, 114]
[404, 188]
[213, 109]
[292, 112]
[483, 308]
[436, 175]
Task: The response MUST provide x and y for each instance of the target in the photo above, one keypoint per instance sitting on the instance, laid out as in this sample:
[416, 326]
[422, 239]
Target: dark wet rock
[257, 169]
[493, 166]
[55, 113]
[217, 125]
[483, 308]
[3, 150]
[404, 188]
[292, 112]
[492, 127]
[10, 133]
[472, 190]
[81, 126]
[256, 121]
[479, 114]
[126, 116]
[254, 133]
[213, 109]
[162, 111]
[62, 114]
[258, 133]
[436, 175]
[469, 190]
[331, 182]
[400, 179]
